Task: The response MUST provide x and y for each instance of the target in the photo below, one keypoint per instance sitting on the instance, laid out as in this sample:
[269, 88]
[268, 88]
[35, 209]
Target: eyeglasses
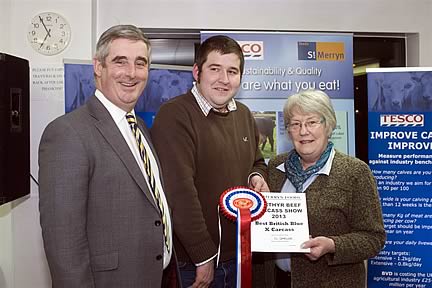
[309, 125]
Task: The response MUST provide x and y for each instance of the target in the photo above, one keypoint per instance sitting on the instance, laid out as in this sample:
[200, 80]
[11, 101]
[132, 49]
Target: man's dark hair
[221, 44]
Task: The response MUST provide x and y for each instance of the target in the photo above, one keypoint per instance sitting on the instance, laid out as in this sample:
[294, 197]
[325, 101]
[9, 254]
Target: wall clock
[49, 33]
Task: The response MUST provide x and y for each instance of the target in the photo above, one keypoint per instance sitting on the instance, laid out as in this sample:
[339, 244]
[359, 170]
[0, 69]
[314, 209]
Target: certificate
[284, 226]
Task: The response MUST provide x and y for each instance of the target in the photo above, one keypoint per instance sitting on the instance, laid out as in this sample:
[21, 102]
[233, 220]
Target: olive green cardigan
[345, 207]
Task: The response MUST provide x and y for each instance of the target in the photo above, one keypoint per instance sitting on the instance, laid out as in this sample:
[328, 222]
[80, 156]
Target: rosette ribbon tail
[243, 205]
[244, 254]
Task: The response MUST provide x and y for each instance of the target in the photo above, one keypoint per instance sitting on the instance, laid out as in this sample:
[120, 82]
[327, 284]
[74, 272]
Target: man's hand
[257, 183]
[204, 275]
[319, 246]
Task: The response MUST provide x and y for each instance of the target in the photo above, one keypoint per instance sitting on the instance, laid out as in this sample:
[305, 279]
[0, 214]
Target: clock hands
[49, 33]
[46, 36]
[46, 29]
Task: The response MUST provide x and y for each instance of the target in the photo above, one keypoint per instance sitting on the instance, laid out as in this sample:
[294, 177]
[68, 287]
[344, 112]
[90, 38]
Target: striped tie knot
[130, 117]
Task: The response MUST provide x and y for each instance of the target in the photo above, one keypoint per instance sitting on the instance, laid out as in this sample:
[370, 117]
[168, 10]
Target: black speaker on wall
[14, 128]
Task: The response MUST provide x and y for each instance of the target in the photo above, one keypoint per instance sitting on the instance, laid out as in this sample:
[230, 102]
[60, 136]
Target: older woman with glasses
[344, 212]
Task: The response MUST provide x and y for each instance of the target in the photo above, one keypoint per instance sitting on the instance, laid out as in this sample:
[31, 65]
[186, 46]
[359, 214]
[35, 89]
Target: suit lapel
[113, 136]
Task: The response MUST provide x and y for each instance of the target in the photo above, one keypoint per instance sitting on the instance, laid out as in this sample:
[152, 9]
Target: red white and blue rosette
[243, 205]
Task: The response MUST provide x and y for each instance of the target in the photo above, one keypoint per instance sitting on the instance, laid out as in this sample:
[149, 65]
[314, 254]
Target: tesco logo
[407, 120]
[252, 50]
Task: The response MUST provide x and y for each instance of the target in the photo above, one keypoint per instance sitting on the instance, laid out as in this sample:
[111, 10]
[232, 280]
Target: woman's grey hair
[311, 101]
[130, 32]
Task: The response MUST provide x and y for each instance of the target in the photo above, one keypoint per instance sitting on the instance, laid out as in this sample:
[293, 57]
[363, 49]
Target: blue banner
[278, 65]
[281, 64]
[400, 156]
[162, 85]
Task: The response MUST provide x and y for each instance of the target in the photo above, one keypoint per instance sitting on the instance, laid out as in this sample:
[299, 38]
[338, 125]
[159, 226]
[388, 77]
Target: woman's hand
[319, 246]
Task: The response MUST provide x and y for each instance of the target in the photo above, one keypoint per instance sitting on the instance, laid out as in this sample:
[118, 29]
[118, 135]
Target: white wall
[390, 16]
[22, 261]
[4, 25]
[6, 259]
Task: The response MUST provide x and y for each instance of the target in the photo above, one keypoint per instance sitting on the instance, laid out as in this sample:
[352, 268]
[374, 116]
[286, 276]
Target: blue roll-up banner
[278, 65]
[163, 83]
[400, 156]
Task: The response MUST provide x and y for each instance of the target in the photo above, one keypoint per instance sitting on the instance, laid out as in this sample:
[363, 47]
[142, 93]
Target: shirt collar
[324, 170]
[117, 113]
[205, 105]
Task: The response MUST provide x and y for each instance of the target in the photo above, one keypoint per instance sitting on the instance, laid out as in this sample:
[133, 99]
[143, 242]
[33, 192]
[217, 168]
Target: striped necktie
[149, 172]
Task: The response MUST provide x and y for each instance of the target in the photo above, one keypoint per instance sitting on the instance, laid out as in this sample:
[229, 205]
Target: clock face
[49, 33]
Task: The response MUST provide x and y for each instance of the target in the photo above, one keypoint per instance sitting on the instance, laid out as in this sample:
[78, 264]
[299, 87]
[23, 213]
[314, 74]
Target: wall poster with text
[163, 83]
[400, 157]
[278, 65]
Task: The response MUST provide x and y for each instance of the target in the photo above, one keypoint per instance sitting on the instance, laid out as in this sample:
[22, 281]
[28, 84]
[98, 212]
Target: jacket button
[158, 257]
[157, 223]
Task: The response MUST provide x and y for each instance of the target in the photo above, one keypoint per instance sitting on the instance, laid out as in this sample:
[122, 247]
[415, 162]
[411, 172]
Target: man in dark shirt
[207, 142]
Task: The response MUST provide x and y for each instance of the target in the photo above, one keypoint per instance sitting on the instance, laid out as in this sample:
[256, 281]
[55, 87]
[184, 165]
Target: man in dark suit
[102, 224]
